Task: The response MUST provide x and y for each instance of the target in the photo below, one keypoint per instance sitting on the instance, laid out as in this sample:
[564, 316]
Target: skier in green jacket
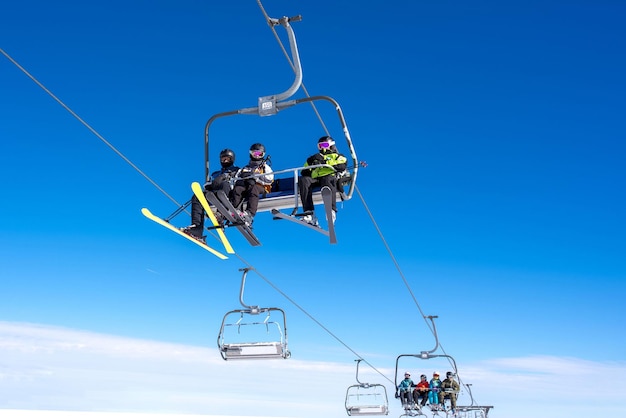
[321, 176]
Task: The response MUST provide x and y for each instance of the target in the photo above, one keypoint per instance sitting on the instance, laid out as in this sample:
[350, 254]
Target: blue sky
[494, 140]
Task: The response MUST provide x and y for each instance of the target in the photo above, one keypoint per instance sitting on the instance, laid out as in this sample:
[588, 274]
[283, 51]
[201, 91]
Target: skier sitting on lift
[449, 390]
[251, 188]
[321, 176]
[420, 393]
[433, 396]
[220, 180]
[403, 391]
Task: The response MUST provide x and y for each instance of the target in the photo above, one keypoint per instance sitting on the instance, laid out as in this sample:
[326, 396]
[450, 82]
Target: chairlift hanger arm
[432, 320]
[297, 66]
[252, 309]
[358, 361]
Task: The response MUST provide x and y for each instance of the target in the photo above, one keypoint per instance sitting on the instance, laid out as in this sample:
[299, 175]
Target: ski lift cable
[98, 135]
[319, 117]
[328, 331]
[395, 262]
[397, 265]
[136, 168]
[158, 187]
[282, 46]
[107, 143]
[408, 286]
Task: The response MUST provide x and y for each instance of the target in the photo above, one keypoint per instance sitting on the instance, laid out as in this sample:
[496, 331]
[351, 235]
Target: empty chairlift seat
[367, 399]
[246, 334]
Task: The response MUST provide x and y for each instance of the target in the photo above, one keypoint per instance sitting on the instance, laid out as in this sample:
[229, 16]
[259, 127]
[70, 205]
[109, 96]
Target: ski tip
[195, 187]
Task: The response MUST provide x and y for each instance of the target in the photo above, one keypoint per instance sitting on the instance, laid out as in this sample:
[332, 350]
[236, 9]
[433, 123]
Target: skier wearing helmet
[403, 391]
[255, 178]
[420, 393]
[435, 387]
[321, 176]
[220, 180]
[450, 389]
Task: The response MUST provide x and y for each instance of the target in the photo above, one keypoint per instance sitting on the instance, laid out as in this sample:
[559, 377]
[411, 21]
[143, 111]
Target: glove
[397, 395]
[246, 172]
[221, 178]
[315, 159]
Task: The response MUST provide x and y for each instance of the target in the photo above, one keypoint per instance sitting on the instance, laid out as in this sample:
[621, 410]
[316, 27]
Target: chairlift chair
[284, 193]
[273, 346]
[474, 411]
[249, 336]
[366, 398]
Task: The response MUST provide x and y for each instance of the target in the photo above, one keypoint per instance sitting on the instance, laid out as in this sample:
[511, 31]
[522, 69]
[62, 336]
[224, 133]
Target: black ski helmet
[227, 157]
[257, 151]
[329, 142]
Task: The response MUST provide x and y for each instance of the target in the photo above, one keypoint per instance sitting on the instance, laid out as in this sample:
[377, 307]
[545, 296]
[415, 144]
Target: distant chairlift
[366, 398]
[471, 411]
[252, 333]
[284, 193]
[425, 355]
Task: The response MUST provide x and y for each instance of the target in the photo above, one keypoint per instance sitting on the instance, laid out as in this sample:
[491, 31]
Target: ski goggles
[325, 144]
[257, 153]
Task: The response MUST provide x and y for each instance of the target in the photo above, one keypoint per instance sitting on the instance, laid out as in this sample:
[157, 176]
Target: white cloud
[551, 385]
[51, 368]
[7, 413]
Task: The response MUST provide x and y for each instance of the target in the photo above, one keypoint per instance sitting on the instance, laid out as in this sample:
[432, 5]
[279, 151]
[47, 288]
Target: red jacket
[421, 387]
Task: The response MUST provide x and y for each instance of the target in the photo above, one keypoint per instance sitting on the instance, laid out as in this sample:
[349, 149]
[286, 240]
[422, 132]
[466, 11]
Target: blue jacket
[406, 385]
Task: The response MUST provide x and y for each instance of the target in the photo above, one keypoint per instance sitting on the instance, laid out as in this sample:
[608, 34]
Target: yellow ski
[197, 190]
[146, 212]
